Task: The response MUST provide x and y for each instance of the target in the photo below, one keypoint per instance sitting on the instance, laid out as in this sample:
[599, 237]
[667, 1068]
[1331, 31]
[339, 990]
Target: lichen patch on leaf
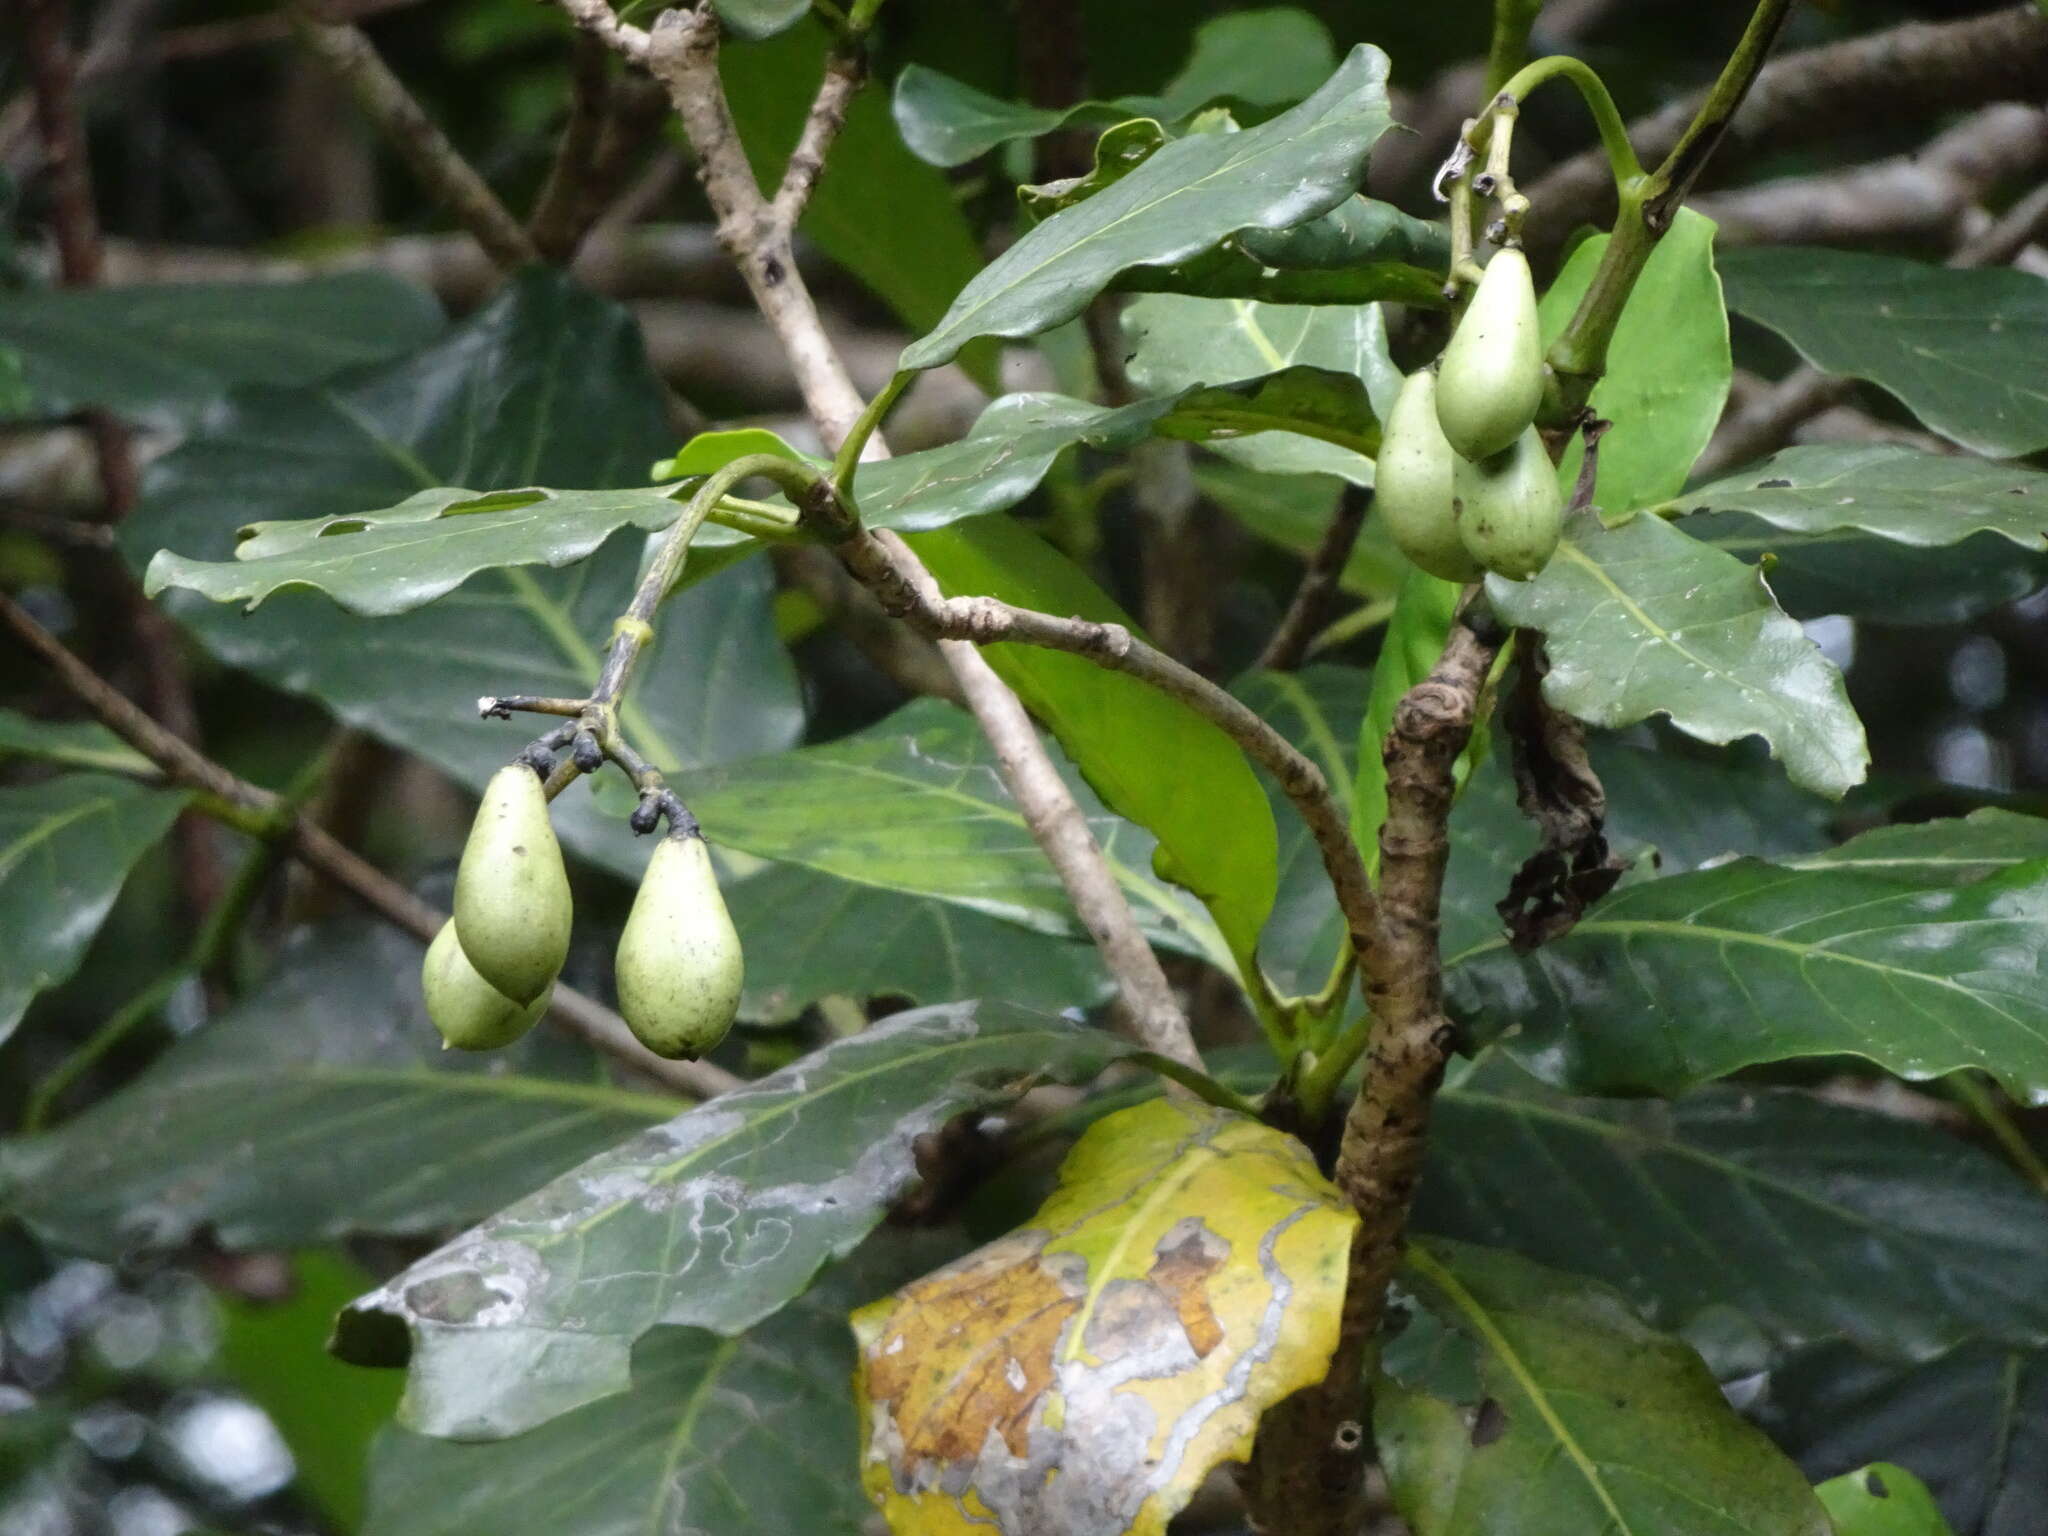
[1084, 1373]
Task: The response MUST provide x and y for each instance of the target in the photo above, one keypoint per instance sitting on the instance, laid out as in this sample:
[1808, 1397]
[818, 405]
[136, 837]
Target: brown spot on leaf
[1182, 1272]
[1488, 1424]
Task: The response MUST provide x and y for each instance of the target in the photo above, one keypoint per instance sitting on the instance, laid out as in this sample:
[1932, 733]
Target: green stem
[1512, 21]
[1200, 1084]
[847, 461]
[1621, 155]
[124, 1021]
[1982, 1103]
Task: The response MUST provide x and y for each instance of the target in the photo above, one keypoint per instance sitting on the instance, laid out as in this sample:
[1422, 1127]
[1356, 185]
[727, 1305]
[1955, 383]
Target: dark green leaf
[74, 743]
[1962, 349]
[1216, 834]
[1881, 1500]
[715, 1220]
[762, 18]
[321, 1105]
[1972, 1425]
[545, 383]
[160, 352]
[1587, 1420]
[1294, 511]
[1120, 151]
[1303, 420]
[1673, 982]
[1812, 1220]
[811, 936]
[1986, 842]
[1642, 620]
[66, 846]
[1356, 233]
[1182, 200]
[1663, 414]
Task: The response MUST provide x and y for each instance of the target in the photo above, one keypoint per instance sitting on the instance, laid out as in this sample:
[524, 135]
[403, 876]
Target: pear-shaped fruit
[1412, 487]
[1510, 509]
[512, 904]
[1490, 381]
[471, 1014]
[679, 964]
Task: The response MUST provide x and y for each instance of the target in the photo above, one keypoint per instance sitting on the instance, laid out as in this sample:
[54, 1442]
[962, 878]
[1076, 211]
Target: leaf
[1588, 1420]
[752, 1435]
[1809, 1219]
[546, 383]
[1262, 57]
[762, 18]
[1187, 1274]
[73, 743]
[1663, 415]
[1986, 842]
[811, 936]
[320, 1106]
[1294, 512]
[1415, 640]
[1216, 834]
[914, 804]
[1176, 343]
[1671, 982]
[714, 1220]
[66, 847]
[159, 352]
[1182, 200]
[1886, 490]
[1306, 420]
[1972, 1425]
[1357, 233]
[1961, 348]
[1881, 1500]
[1642, 620]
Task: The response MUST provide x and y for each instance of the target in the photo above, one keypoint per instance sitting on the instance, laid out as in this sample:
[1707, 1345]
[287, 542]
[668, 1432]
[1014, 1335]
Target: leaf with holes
[1186, 1275]
[1881, 1500]
[1572, 1414]
[66, 846]
[1182, 200]
[1642, 620]
[713, 1221]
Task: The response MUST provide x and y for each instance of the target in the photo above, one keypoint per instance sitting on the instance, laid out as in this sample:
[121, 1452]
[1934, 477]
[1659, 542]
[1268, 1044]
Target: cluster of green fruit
[490, 971]
[1463, 480]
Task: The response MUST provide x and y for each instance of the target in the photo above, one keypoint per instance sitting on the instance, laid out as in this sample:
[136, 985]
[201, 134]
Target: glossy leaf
[1182, 200]
[66, 847]
[1972, 1425]
[745, 1436]
[1809, 1219]
[1671, 982]
[1263, 58]
[1642, 620]
[1186, 1275]
[914, 804]
[159, 352]
[1886, 490]
[1961, 348]
[714, 1220]
[1881, 1500]
[1663, 415]
[545, 383]
[321, 1105]
[1583, 1419]
[1216, 834]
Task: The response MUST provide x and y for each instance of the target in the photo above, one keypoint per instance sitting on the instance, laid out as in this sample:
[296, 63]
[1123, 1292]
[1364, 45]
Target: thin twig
[2019, 227]
[1305, 614]
[261, 813]
[384, 99]
[558, 222]
[845, 71]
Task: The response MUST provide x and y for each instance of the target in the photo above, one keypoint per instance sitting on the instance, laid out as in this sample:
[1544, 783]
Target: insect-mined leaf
[1180, 201]
[1085, 1372]
[1881, 1500]
[546, 383]
[159, 352]
[1811, 1220]
[1962, 349]
[1672, 982]
[1580, 1417]
[1972, 1425]
[319, 1106]
[1642, 620]
[1216, 834]
[714, 1220]
[1662, 415]
[915, 804]
[66, 846]
[1887, 490]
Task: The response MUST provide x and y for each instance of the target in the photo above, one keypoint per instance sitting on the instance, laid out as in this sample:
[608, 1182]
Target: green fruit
[1510, 509]
[512, 902]
[1412, 484]
[1490, 381]
[679, 965]
[471, 1014]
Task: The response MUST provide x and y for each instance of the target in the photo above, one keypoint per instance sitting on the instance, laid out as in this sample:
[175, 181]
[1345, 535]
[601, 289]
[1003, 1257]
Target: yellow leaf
[1083, 1374]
